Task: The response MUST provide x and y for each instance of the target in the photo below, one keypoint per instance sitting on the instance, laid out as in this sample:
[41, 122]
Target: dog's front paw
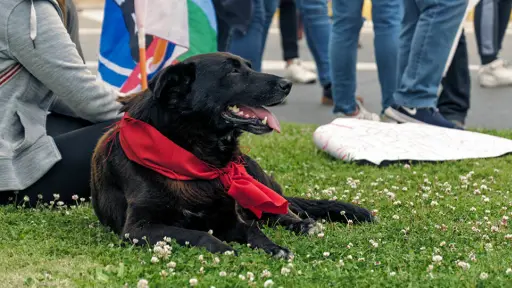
[307, 227]
[214, 245]
[281, 253]
[311, 227]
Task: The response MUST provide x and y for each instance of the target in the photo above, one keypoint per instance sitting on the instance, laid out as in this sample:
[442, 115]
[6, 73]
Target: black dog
[195, 104]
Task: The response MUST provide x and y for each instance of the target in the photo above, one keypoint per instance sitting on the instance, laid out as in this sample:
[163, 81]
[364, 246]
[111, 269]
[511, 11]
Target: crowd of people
[413, 40]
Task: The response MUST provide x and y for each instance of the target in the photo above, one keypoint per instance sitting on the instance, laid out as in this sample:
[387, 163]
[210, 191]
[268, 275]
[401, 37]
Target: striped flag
[175, 30]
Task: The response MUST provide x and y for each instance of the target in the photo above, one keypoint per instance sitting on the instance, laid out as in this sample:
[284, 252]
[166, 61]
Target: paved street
[490, 108]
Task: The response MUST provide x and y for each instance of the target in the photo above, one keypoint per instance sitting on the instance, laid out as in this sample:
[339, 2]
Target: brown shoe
[327, 96]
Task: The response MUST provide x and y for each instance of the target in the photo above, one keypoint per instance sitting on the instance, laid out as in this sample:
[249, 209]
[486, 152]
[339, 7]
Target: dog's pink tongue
[261, 113]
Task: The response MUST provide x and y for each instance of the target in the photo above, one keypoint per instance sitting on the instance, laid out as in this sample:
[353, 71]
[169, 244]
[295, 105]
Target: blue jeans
[317, 27]
[428, 31]
[347, 23]
[251, 45]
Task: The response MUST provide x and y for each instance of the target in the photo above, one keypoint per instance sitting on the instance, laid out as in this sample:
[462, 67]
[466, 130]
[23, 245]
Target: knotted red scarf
[145, 145]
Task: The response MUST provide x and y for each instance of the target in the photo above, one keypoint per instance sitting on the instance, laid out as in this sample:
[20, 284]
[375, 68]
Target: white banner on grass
[376, 142]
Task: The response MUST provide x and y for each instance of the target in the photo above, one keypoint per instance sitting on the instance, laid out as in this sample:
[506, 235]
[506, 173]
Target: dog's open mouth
[258, 118]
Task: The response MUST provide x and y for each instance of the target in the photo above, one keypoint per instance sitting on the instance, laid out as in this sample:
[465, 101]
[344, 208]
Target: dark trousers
[288, 26]
[76, 140]
[453, 102]
[491, 20]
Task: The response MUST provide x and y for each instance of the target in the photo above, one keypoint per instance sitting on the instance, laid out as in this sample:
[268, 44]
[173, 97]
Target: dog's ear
[173, 82]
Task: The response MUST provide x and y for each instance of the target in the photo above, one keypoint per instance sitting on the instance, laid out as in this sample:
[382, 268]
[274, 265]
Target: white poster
[375, 142]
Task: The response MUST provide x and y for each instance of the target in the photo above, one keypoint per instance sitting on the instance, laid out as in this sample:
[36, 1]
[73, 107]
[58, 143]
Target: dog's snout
[286, 85]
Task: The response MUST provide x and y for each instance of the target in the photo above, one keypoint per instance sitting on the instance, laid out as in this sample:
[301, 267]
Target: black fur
[187, 103]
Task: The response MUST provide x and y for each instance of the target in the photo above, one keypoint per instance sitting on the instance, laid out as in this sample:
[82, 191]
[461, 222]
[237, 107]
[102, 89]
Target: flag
[175, 30]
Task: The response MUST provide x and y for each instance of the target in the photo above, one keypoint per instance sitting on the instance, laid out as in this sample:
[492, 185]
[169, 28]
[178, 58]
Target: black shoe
[327, 95]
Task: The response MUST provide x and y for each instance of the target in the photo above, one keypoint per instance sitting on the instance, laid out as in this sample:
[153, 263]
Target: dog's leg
[293, 222]
[250, 233]
[335, 211]
[137, 226]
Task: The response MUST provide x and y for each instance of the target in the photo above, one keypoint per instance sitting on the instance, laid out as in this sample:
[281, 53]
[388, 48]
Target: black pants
[76, 140]
[453, 102]
[288, 27]
[491, 20]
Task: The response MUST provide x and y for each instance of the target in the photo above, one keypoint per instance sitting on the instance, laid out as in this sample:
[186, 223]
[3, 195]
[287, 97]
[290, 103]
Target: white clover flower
[266, 274]
[216, 260]
[56, 196]
[326, 254]
[437, 258]
[193, 282]
[463, 265]
[509, 271]
[484, 275]
[285, 271]
[210, 232]
[135, 240]
[60, 203]
[250, 276]
[164, 273]
[171, 264]
[392, 274]
[223, 274]
[200, 257]
[143, 283]
[241, 277]
[396, 217]
[154, 260]
[74, 197]
[268, 283]
[320, 235]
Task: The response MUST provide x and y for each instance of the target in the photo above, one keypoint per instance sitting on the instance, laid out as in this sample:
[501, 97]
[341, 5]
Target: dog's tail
[335, 211]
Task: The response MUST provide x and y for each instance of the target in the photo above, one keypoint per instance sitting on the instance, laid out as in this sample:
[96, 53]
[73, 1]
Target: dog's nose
[286, 85]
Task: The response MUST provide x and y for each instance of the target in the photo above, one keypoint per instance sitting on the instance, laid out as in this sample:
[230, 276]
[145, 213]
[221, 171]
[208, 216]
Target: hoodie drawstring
[33, 23]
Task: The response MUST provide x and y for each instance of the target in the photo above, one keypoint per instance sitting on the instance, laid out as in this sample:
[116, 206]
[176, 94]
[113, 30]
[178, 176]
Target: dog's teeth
[234, 108]
[264, 121]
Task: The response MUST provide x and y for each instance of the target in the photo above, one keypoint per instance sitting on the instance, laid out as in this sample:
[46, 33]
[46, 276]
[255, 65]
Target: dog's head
[217, 92]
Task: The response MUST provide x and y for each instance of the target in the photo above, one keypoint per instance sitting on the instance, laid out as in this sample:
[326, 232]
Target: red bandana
[145, 145]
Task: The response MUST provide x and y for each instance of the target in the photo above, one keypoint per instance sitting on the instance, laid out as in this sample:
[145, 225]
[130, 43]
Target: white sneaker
[362, 115]
[495, 74]
[299, 74]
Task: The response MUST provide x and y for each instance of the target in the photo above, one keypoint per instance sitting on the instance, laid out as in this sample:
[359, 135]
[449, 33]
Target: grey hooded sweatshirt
[40, 69]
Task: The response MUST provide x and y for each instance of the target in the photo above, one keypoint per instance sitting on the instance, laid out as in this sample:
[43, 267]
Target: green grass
[431, 214]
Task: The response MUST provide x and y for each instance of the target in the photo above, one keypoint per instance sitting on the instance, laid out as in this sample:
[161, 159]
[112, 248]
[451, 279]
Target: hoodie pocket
[30, 133]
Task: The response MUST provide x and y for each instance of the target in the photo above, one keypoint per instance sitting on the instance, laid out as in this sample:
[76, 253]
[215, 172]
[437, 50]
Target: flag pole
[140, 16]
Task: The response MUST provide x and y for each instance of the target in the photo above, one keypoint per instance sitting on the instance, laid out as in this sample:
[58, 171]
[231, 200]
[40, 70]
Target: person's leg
[387, 15]
[317, 27]
[346, 16]
[294, 70]
[486, 30]
[71, 175]
[435, 32]
[454, 101]
[58, 124]
[249, 45]
[504, 8]
[288, 29]
[491, 20]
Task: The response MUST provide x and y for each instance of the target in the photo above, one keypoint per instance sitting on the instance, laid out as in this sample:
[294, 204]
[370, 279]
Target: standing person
[429, 28]
[294, 70]
[347, 24]
[40, 65]
[250, 45]
[454, 101]
[491, 20]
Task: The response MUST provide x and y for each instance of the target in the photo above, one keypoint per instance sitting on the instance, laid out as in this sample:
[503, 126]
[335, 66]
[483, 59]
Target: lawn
[441, 225]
